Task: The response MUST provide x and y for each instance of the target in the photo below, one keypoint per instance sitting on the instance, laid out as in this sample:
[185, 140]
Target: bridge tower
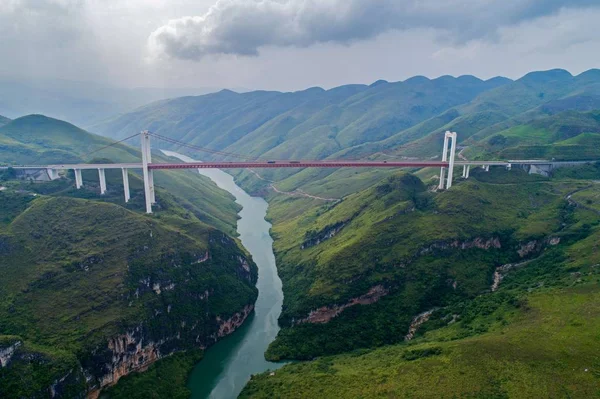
[447, 137]
[148, 173]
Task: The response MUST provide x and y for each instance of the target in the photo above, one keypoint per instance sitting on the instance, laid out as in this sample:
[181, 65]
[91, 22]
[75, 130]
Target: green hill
[3, 120]
[91, 288]
[394, 251]
[568, 135]
[37, 139]
[423, 249]
[274, 124]
[80, 275]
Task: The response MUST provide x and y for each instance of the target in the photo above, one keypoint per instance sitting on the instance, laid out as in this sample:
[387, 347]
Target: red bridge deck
[297, 164]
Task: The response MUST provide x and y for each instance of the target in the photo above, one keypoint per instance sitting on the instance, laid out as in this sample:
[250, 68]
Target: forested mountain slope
[37, 139]
[91, 288]
[313, 123]
[384, 120]
[489, 289]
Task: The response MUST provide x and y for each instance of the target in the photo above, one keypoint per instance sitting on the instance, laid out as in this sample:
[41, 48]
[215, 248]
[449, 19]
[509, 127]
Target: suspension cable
[203, 149]
[109, 145]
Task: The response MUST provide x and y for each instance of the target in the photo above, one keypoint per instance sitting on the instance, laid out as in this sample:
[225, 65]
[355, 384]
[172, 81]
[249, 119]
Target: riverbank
[228, 365]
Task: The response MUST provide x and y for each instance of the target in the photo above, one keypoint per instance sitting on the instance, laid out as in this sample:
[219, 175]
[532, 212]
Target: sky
[291, 44]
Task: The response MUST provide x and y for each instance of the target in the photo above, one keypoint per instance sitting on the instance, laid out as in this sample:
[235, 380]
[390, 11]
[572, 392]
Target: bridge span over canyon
[447, 163]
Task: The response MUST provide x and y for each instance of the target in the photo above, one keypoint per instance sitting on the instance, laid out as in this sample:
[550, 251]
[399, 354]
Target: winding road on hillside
[296, 193]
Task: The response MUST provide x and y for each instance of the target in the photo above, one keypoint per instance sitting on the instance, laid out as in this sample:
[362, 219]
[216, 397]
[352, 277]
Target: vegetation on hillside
[37, 139]
[536, 336]
[80, 269]
[427, 250]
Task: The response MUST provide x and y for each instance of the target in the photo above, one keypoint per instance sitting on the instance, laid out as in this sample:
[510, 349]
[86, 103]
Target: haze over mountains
[81, 103]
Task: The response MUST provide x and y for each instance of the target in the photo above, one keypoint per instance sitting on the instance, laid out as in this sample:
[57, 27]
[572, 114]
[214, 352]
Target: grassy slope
[549, 350]
[70, 267]
[37, 139]
[537, 336]
[313, 123]
[387, 227]
[569, 135]
[71, 260]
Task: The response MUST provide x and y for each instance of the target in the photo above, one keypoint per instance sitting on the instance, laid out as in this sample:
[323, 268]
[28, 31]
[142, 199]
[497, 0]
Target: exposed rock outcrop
[416, 323]
[477, 242]
[536, 246]
[7, 353]
[135, 351]
[501, 271]
[315, 238]
[228, 326]
[326, 313]
[244, 270]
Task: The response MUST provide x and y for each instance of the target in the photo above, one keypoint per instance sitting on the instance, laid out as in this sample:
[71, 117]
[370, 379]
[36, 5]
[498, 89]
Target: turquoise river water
[228, 365]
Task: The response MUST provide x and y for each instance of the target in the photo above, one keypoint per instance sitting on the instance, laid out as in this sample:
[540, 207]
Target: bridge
[448, 163]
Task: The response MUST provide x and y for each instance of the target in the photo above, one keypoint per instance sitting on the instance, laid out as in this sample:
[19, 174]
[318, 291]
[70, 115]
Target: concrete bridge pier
[78, 178]
[466, 169]
[486, 168]
[126, 184]
[52, 174]
[102, 178]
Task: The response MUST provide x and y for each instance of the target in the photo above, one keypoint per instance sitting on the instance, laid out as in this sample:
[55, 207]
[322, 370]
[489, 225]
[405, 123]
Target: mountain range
[391, 288]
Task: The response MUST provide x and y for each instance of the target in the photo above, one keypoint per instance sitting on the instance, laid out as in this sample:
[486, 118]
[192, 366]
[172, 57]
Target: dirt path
[569, 198]
[296, 193]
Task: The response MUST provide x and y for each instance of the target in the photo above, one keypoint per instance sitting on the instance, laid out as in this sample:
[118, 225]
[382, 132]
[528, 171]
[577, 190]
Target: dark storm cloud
[242, 27]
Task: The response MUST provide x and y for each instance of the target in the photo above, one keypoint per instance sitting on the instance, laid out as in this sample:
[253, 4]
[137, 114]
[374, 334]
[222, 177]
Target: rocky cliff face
[6, 353]
[136, 350]
[315, 238]
[326, 313]
[477, 242]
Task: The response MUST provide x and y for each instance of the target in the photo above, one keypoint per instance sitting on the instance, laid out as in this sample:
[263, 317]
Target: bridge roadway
[147, 167]
[292, 164]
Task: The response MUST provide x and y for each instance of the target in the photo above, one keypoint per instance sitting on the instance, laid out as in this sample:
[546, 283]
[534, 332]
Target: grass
[589, 198]
[528, 340]
[73, 273]
[380, 233]
[75, 264]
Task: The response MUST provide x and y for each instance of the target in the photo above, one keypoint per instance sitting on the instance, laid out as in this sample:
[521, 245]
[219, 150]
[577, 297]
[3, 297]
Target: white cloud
[243, 27]
[323, 43]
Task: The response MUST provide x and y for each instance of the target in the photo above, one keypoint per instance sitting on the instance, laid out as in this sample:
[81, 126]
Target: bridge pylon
[447, 137]
[148, 173]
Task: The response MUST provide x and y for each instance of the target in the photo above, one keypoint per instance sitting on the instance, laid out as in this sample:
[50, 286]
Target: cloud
[242, 27]
[39, 21]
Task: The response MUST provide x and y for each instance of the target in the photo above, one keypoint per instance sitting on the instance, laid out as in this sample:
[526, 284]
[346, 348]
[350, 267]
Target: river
[228, 365]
